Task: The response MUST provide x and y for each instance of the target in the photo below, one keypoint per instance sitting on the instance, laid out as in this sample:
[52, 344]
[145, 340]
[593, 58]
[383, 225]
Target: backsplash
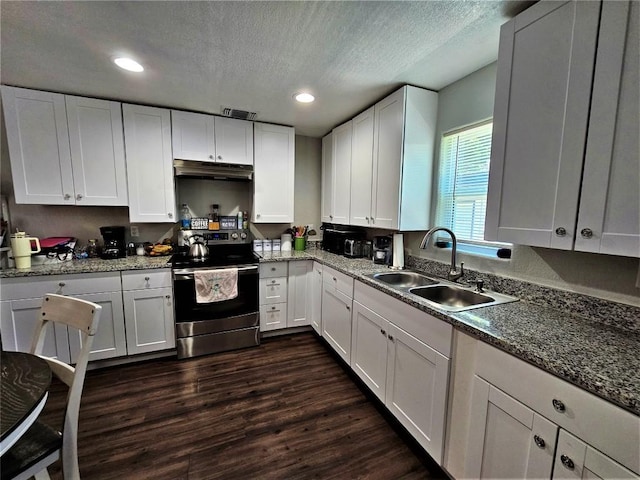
[617, 315]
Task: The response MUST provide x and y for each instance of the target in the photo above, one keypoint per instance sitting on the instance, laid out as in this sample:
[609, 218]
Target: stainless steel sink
[404, 279]
[455, 297]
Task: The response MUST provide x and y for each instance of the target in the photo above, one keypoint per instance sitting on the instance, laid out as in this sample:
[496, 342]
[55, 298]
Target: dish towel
[216, 285]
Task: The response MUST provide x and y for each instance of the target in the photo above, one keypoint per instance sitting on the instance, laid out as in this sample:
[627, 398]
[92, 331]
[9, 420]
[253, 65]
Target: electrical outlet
[134, 231]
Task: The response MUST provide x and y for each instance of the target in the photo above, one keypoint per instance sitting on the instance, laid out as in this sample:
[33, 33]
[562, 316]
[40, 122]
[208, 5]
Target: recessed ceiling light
[128, 64]
[304, 97]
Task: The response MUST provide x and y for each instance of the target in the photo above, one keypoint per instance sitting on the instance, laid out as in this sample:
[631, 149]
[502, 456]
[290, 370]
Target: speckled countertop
[589, 342]
[587, 351]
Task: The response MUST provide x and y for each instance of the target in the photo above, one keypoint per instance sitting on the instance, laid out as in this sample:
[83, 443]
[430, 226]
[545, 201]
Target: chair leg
[42, 475]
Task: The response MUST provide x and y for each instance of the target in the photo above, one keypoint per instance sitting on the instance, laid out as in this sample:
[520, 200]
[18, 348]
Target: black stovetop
[219, 256]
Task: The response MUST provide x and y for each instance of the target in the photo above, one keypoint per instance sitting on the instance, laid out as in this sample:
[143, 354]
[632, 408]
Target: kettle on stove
[198, 249]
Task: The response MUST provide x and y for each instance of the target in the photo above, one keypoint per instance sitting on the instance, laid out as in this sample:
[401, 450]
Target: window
[463, 179]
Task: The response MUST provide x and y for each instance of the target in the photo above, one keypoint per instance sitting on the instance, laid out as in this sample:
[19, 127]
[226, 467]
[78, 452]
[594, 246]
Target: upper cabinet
[564, 161]
[207, 138]
[64, 150]
[382, 162]
[147, 132]
[274, 173]
[326, 210]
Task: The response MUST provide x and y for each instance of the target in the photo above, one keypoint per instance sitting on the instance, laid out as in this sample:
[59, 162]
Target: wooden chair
[42, 445]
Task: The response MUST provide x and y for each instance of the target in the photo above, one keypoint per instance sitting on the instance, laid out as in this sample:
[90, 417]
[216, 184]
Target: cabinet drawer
[606, 427]
[145, 279]
[75, 284]
[273, 290]
[273, 317]
[273, 269]
[340, 281]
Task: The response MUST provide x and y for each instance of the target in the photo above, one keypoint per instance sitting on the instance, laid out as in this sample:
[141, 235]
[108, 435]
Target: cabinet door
[148, 316]
[327, 179]
[273, 290]
[369, 348]
[274, 173]
[18, 324]
[234, 141]
[543, 90]
[316, 298]
[609, 214]
[38, 141]
[507, 439]
[361, 169]
[147, 135]
[336, 320]
[341, 173]
[416, 390]
[97, 151]
[387, 160]
[192, 136]
[110, 340]
[299, 295]
[575, 459]
[273, 316]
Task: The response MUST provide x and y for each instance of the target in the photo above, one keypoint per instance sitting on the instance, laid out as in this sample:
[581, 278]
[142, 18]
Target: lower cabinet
[401, 368]
[337, 299]
[316, 298]
[299, 293]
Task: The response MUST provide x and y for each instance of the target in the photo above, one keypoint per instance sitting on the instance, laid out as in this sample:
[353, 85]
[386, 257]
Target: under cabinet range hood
[214, 171]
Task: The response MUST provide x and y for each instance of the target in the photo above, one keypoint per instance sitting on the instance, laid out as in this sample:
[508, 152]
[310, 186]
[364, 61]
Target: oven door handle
[187, 273]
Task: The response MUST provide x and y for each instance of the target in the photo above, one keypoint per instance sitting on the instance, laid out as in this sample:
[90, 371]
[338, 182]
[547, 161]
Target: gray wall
[468, 101]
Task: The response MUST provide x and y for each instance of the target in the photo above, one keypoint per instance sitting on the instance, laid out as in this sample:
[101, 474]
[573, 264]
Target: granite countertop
[593, 355]
[581, 348]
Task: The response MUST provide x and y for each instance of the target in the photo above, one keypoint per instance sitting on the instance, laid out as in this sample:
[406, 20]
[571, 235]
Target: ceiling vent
[241, 114]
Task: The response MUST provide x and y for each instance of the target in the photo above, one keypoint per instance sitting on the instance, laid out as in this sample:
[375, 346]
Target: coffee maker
[114, 246]
[382, 251]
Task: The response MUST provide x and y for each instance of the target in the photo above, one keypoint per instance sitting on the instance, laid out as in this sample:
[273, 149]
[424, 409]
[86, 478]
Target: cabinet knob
[558, 405]
[67, 196]
[348, 307]
[567, 462]
[146, 279]
[61, 284]
[366, 218]
[331, 217]
[219, 157]
[167, 297]
[170, 215]
[79, 196]
[273, 308]
[257, 215]
[390, 337]
[273, 269]
[586, 233]
[561, 231]
[273, 281]
[383, 332]
[211, 157]
[373, 220]
[539, 441]
[335, 279]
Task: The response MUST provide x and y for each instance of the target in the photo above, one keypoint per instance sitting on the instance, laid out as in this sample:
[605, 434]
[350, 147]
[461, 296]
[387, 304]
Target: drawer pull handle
[146, 279]
[567, 462]
[273, 308]
[561, 231]
[61, 284]
[558, 405]
[586, 233]
[335, 279]
[273, 269]
[273, 281]
[539, 441]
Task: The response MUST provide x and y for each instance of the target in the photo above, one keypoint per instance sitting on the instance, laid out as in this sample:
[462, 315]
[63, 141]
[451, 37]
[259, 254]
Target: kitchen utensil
[198, 249]
[22, 250]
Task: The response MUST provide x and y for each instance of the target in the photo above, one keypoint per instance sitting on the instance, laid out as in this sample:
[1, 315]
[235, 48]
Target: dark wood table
[24, 384]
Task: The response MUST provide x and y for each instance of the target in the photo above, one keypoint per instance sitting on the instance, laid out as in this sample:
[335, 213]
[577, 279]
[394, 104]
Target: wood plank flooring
[284, 410]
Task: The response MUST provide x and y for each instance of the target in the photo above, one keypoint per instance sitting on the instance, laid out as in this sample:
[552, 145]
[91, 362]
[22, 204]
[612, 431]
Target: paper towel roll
[398, 250]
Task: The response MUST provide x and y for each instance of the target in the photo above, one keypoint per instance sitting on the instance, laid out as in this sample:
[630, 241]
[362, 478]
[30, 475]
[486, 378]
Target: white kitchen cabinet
[147, 134]
[97, 151]
[341, 173]
[361, 169]
[209, 138]
[300, 285]
[273, 290]
[409, 372]
[326, 209]
[148, 311]
[337, 299]
[507, 439]
[274, 173]
[564, 163]
[64, 150]
[316, 298]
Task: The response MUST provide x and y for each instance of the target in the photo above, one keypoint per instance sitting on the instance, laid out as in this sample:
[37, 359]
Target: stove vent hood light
[213, 171]
[236, 113]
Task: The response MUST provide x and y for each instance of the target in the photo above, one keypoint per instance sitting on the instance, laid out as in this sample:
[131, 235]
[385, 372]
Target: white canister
[276, 245]
[285, 242]
[21, 247]
[257, 245]
[266, 245]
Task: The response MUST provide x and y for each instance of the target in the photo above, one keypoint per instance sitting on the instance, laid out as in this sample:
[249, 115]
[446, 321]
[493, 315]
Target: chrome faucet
[453, 274]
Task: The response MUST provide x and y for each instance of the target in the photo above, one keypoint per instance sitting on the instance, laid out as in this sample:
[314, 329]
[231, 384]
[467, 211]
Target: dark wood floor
[284, 410]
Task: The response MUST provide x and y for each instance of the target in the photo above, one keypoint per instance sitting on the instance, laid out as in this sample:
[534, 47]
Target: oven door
[191, 316]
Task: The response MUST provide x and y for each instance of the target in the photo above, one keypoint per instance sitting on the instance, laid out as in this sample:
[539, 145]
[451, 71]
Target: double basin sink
[442, 294]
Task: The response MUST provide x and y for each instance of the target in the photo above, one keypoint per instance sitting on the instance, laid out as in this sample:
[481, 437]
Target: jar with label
[92, 249]
[185, 217]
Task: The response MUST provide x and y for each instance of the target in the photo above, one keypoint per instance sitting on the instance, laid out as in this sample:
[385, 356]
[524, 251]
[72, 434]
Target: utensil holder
[299, 244]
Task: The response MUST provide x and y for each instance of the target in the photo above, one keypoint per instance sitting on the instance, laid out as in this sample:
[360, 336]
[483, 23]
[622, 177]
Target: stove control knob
[234, 236]
[243, 236]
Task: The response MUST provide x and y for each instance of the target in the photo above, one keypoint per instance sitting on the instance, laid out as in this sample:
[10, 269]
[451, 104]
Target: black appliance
[204, 328]
[334, 237]
[382, 250]
[114, 246]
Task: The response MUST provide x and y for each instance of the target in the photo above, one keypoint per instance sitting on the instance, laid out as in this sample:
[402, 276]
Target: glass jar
[92, 249]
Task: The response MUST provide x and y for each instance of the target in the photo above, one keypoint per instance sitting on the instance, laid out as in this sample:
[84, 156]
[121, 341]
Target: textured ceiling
[249, 55]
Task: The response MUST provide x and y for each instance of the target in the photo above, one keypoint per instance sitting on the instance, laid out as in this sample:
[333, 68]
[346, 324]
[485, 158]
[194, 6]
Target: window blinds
[463, 181]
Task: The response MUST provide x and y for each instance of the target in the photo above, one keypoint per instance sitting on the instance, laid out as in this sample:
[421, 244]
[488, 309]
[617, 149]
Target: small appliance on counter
[335, 236]
[54, 250]
[114, 244]
[353, 248]
[382, 253]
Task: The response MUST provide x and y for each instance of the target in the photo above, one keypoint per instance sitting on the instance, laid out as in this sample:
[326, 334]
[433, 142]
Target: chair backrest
[83, 316]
